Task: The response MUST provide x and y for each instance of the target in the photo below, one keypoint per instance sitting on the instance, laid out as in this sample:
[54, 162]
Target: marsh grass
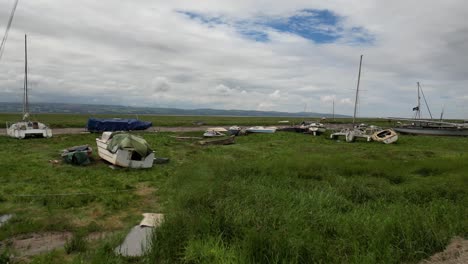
[280, 198]
[286, 198]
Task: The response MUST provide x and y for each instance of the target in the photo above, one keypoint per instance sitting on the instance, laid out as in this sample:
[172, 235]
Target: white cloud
[124, 52]
[275, 95]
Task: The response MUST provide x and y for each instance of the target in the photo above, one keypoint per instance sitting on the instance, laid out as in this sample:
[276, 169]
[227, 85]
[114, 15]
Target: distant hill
[116, 109]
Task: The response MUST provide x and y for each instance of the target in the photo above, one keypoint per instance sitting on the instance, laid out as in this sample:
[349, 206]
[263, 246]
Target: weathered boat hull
[220, 141]
[267, 130]
[432, 131]
[317, 130]
[123, 157]
[386, 136]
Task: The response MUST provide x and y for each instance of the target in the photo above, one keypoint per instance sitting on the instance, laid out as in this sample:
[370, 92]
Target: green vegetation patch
[271, 198]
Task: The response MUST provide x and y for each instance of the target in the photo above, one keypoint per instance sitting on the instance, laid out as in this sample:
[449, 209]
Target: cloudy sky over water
[244, 54]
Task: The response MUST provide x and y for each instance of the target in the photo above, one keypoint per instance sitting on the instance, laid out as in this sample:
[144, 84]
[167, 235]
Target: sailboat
[26, 127]
[363, 131]
[420, 126]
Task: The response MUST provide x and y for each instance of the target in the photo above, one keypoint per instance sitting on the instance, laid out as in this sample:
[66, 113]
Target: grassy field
[74, 120]
[279, 198]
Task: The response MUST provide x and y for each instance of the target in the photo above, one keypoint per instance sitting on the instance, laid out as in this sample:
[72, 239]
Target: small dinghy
[125, 150]
[387, 136]
[213, 133]
[260, 129]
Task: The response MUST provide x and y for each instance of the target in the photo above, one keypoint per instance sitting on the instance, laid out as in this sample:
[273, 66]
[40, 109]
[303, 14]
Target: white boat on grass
[260, 129]
[213, 133]
[125, 150]
[27, 128]
[387, 136]
[313, 128]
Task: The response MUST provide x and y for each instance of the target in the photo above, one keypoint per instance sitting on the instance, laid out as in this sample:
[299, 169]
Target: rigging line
[424, 97]
[71, 194]
[10, 20]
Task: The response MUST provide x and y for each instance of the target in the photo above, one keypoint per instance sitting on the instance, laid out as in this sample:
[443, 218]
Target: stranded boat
[260, 129]
[125, 150]
[27, 128]
[418, 126]
[387, 136]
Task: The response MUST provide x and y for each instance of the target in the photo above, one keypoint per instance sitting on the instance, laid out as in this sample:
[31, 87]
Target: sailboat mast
[25, 99]
[333, 109]
[418, 111]
[357, 92]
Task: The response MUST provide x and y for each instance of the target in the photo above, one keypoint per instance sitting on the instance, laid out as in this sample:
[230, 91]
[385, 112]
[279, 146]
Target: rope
[69, 194]
[429, 110]
[10, 20]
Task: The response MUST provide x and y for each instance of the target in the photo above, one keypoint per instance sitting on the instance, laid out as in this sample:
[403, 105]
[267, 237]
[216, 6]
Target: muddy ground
[63, 131]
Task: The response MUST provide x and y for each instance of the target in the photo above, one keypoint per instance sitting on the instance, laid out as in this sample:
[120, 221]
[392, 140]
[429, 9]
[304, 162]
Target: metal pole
[357, 92]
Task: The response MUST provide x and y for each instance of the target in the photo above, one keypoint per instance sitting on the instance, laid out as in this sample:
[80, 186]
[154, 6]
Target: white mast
[357, 92]
[25, 95]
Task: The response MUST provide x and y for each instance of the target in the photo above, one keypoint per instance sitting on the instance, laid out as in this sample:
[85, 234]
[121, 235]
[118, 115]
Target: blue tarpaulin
[116, 124]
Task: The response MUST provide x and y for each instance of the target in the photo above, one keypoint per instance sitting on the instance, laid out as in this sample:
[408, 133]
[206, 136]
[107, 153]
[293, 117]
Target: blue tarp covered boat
[116, 124]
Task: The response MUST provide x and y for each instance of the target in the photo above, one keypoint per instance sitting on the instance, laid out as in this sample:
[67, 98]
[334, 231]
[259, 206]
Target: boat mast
[418, 110]
[25, 95]
[357, 92]
[333, 109]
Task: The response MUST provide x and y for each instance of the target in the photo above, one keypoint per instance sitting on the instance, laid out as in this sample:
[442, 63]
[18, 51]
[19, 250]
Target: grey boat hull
[433, 131]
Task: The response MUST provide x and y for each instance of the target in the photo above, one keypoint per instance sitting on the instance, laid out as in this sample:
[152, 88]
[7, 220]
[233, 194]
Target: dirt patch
[37, 243]
[455, 253]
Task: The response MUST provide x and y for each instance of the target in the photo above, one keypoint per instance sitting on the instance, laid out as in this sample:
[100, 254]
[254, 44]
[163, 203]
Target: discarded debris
[77, 155]
[138, 240]
[186, 138]
[218, 141]
[159, 160]
[54, 162]
[5, 218]
[152, 220]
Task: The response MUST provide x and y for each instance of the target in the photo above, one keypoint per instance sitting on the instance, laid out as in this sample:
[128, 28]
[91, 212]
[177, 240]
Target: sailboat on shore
[27, 127]
[420, 126]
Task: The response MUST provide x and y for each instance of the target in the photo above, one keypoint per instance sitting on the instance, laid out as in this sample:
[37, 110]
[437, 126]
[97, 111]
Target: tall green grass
[287, 198]
[279, 198]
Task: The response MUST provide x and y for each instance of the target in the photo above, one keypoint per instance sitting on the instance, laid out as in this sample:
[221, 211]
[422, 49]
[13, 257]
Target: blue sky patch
[319, 26]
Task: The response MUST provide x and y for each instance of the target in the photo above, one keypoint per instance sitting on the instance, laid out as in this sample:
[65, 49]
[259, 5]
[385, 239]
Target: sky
[289, 56]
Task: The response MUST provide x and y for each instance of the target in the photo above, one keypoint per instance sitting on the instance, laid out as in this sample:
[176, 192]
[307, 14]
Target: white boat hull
[267, 130]
[387, 136]
[123, 157]
[26, 129]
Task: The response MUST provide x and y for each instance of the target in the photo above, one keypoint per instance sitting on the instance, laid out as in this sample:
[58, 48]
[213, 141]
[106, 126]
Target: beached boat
[260, 129]
[27, 128]
[234, 130]
[420, 126]
[387, 136]
[315, 128]
[125, 150]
